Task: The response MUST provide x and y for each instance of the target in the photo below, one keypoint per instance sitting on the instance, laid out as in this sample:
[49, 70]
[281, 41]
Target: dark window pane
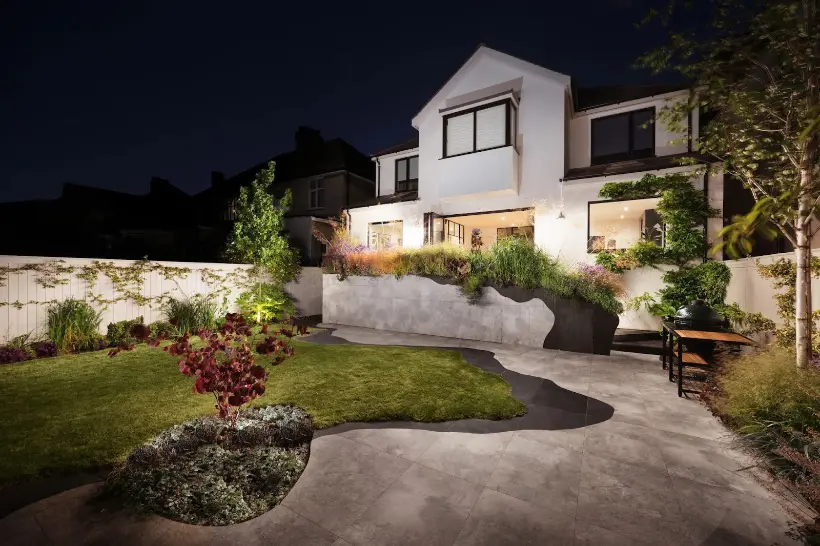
[414, 167]
[644, 130]
[610, 135]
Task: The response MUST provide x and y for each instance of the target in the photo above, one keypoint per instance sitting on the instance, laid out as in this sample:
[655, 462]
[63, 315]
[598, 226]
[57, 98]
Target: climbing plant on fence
[127, 281]
[684, 211]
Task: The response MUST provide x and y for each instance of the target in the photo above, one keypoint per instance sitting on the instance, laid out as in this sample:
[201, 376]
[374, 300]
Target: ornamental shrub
[163, 329]
[118, 332]
[267, 302]
[9, 354]
[223, 367]
[73, 325]
[44, 349]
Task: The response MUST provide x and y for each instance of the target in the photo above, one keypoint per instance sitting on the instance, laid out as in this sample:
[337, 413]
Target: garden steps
[637, 341]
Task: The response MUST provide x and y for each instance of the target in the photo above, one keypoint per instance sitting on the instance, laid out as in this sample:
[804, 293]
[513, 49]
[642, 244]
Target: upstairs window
[407, 174]
[630, 135]
[482, 128]
[317, 193]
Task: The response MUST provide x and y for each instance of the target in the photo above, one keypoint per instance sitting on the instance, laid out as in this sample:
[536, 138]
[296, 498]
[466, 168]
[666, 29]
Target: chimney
[308, 138]
[217, 178]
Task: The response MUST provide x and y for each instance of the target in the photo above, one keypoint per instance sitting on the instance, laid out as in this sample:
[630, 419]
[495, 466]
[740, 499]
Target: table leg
[671, 350]
[663, 349]
[680, 368]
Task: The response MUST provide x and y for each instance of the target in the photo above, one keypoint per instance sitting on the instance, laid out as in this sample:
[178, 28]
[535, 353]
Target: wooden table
[690, 359]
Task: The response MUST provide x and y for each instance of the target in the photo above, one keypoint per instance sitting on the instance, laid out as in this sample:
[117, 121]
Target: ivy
[684, 210]
[128, 281]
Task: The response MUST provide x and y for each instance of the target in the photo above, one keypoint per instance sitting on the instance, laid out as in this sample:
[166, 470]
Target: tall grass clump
[775, 406]
[73, 325]
[191, 314]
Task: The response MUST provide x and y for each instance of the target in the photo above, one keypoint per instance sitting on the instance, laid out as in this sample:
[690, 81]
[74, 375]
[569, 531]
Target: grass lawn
[81, 411]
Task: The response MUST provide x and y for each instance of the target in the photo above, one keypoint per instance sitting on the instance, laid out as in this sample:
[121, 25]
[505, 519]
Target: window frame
[513, 230]
[631, 154]
[370, 224]
[589, 249]
[510, 107]
[453, 229]
[318, 191]
[410, 184]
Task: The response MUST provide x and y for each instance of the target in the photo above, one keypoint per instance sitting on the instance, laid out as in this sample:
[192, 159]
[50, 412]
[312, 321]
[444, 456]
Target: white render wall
[387, 171]
[540, 138]
[420, 305]
[21, 287]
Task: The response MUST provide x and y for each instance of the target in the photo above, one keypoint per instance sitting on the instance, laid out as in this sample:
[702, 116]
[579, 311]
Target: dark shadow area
[549, 406]
[16, 495]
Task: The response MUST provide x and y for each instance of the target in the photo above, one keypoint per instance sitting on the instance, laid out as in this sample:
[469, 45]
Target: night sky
[110, 93]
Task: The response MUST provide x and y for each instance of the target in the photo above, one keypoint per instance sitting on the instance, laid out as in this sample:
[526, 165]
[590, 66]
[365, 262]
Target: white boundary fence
[747, 288]
[23, 300]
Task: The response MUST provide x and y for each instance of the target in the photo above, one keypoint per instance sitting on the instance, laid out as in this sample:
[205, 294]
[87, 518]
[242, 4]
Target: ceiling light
[502, 217]
[622, 216]
[514, 225]
[626, 209]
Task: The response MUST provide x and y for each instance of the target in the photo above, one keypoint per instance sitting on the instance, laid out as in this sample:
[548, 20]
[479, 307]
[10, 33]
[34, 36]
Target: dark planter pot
[579, 327]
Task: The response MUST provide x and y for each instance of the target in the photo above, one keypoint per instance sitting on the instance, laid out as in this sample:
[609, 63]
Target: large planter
[421, 305]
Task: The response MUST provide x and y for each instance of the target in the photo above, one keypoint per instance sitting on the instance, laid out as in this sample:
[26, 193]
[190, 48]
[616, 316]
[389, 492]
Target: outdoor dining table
[689, 358]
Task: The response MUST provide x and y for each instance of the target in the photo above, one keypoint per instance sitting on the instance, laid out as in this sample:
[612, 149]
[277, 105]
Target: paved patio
[631, 464]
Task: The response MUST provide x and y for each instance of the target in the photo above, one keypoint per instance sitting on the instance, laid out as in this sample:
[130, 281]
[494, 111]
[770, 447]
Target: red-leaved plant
[224, 366]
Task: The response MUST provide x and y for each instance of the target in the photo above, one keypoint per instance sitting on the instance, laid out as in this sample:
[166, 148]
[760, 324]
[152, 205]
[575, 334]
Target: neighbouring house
[324, 176]
[86, 221]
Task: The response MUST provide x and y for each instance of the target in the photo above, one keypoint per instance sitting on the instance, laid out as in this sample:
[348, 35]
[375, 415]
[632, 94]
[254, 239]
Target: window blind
[491, 127]
[460, 134]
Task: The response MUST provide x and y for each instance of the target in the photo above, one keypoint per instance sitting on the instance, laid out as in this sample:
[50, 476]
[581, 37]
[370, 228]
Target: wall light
[622, 216]
[626, 209]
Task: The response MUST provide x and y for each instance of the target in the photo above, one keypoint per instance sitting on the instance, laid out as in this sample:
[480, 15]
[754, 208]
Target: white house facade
[510, 148]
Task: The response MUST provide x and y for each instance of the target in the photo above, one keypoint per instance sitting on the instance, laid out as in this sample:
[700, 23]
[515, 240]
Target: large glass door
[433, 228]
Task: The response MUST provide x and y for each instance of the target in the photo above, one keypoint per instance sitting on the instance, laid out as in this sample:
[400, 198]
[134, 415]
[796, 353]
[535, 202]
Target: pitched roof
[484, 50]
[399, 197]
[408, 145]
[633, 166]
[595, 97]
[330, 156]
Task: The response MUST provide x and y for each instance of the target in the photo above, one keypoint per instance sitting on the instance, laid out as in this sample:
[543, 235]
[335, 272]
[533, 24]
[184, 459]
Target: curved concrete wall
[422, 306]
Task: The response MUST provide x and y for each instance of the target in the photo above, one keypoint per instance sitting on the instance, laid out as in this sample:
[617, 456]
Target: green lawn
[80, 411]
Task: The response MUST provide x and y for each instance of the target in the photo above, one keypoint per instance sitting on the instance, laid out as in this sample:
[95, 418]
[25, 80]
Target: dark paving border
[549, 406]
[16, 495]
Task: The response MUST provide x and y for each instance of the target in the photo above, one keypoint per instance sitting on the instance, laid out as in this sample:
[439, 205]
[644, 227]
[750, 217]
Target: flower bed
[510, 262]
[205, 472]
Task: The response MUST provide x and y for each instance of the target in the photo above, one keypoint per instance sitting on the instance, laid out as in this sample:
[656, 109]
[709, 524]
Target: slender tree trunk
[803, 318]
[803, 289]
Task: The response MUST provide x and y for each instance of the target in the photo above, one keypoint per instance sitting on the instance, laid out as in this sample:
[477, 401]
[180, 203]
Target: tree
[756, 69]
[257, 237]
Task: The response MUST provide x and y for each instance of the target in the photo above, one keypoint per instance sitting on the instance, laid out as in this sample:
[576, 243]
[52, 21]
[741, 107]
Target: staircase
[646, 342]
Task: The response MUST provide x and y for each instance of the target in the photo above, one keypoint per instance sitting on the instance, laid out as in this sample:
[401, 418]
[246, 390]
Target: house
[86, 221]
[324, 176]
[510, 148]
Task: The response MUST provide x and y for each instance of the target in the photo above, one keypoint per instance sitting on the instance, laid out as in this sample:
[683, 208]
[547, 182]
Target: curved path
[606, 455]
